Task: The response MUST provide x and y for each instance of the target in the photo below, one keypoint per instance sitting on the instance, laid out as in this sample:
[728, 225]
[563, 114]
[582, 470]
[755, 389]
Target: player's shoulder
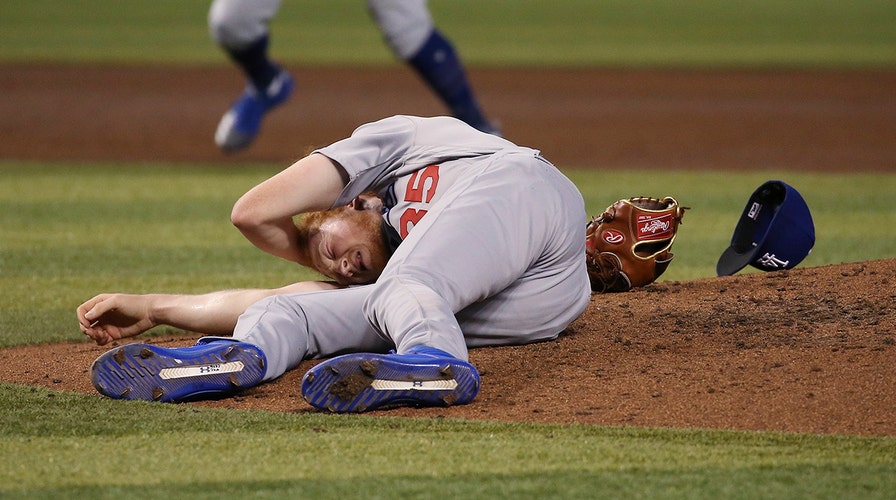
[411, 122]
[433, 133]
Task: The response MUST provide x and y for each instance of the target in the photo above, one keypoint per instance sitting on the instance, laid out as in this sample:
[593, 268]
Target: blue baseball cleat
[360, 382]
[153, 373]
[239, 126]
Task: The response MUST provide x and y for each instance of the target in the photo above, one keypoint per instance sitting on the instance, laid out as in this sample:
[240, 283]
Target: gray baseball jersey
[492, 252]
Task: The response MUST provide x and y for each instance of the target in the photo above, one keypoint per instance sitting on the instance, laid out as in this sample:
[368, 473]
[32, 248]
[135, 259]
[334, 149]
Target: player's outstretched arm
[115, 316]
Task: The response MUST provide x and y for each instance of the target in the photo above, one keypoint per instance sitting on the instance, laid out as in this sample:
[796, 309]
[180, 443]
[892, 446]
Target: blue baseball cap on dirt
[774, 232]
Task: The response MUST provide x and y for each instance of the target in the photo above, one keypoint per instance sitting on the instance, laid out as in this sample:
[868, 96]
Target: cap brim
[733, 261]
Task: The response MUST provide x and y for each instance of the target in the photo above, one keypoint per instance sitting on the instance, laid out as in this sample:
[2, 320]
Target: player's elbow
[244, 216]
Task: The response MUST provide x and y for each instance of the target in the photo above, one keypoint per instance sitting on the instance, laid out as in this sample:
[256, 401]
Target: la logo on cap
[775, 231]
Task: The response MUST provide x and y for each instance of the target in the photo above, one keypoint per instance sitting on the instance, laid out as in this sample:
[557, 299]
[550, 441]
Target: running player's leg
[410, 32]
[236, 26]
[241, 28]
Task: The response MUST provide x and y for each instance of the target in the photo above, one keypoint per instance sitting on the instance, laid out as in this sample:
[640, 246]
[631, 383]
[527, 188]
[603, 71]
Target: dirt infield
[808, 120]
[809, 350]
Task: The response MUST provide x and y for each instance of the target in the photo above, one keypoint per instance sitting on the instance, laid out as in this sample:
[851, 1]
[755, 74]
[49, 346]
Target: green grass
[85, 446]
[498, 32]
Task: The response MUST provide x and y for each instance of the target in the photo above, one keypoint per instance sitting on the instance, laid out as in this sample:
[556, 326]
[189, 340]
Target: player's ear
[367, 201]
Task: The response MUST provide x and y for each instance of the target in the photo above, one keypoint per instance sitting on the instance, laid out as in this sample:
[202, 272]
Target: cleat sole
[360, 382]
[152, 373]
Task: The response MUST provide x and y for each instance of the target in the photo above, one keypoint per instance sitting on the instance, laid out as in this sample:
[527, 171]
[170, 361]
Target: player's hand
[109, 317]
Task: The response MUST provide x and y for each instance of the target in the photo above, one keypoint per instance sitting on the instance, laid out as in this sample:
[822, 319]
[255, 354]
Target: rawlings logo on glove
[629, 244]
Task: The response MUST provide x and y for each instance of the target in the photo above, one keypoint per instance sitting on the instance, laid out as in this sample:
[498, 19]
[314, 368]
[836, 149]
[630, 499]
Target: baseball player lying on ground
[487, 242]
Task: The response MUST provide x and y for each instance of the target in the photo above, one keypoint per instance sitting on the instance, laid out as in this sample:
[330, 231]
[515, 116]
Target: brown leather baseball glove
[629, 244]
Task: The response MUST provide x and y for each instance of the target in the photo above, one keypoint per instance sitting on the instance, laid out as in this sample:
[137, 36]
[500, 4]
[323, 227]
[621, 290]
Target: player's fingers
[86, 311]
[81, 312]
[99, 309]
